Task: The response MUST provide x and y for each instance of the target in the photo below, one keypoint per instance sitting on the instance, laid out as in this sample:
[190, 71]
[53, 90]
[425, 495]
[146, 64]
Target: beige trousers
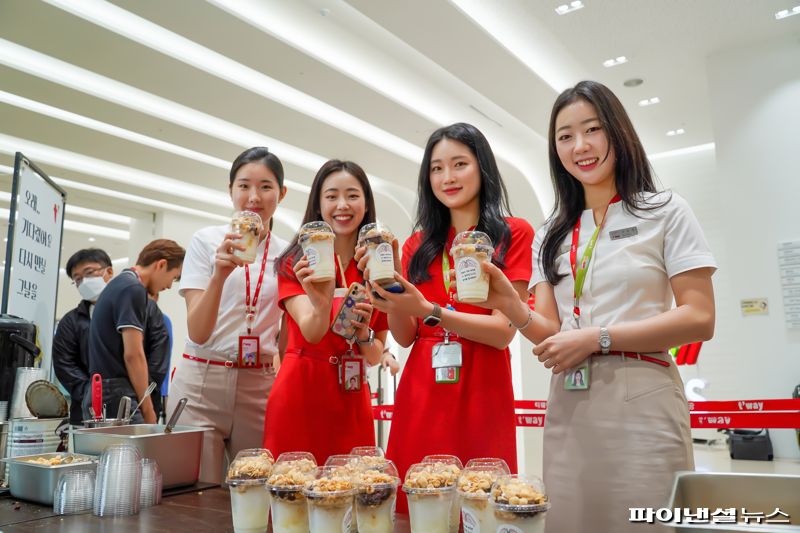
[615, 446]
[231, 401]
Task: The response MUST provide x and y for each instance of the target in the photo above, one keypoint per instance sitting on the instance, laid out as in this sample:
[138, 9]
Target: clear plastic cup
[118, 484]
[289, 476]
[377, 238]
[316, 239]
[249, 226]
[376, 498]
[74, 492]
[250, 502]
[430, 489]
[489, 461]
[454, 467]
[469, 250]
[474, 489]
[519, 503]
[330, 500]
[151, 484]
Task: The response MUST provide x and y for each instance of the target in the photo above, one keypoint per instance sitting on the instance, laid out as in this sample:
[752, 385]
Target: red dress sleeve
[288, 285]
[519, 257]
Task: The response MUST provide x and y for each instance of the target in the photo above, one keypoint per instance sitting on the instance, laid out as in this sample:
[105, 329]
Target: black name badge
[624, 233]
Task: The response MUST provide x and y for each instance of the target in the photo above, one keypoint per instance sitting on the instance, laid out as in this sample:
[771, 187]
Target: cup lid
[490, 461]
[476, 479]
[374, 230]
[443, 458]
[313, 228]
[44, 400]
[519, 493]
[433, 477]
[252, 464]
[476, 238]
[330, 481]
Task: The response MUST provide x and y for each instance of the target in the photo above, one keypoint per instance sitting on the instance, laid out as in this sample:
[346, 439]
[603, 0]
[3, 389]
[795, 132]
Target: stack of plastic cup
[25, 376]
[119, 480]
[3, 411]
[150, 493]
[74, 492]
[456, 466]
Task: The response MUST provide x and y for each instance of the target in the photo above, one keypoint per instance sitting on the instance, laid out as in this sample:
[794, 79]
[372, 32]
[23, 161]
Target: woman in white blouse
[614, 438]
[227, 369]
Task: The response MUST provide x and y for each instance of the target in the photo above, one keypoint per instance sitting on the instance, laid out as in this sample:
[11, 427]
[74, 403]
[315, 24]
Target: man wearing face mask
[90, 269]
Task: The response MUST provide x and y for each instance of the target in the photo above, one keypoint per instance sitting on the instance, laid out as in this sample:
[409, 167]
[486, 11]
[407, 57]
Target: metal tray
[36, 482]
[177, 453]
[756, 493]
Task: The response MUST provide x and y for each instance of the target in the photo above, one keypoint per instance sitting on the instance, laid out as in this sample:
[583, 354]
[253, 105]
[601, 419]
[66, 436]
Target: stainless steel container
[756, 493]
[36, 482]
[177, 453]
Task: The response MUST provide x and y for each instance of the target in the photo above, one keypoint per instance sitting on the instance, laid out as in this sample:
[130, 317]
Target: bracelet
[525, 325]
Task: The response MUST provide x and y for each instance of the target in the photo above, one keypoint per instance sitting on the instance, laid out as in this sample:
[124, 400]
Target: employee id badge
[578, 377]
[446, 360]
[249, 351]
[351, 373]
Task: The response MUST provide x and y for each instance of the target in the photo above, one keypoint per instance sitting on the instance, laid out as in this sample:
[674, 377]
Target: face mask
[90, 288]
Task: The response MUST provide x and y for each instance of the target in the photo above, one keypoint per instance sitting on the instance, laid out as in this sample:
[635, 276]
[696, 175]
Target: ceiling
[141, 104]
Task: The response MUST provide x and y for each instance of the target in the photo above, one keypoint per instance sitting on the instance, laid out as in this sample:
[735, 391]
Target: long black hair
[294, 252]
[633, 175]
[433, 217]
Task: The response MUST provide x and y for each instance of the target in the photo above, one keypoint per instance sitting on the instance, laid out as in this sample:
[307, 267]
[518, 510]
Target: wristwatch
[369, 340]
[605, 341]
[435, 317]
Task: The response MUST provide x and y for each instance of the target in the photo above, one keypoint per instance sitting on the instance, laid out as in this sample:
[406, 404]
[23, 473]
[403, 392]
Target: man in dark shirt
[119, 327]
[90, 270]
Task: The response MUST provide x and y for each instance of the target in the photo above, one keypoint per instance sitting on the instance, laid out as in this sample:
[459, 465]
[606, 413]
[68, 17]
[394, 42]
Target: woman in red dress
[308, 409]
[460, 188]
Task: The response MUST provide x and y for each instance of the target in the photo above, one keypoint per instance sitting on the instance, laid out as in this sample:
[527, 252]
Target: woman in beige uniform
[606, 266]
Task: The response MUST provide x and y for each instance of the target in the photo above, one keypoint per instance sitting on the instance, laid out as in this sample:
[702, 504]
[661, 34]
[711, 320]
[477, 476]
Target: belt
[319, 356]
[226, 364]
[635, 355]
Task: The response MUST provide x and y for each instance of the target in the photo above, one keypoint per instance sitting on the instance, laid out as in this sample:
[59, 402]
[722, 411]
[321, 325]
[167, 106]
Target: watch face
[605, 342]
[431, 321]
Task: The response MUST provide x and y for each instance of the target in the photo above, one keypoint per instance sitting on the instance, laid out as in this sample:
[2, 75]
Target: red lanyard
[250, 311]
[579, 273]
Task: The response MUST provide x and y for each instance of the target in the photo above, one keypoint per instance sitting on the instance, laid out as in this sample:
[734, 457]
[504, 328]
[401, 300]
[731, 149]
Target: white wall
[744, 194]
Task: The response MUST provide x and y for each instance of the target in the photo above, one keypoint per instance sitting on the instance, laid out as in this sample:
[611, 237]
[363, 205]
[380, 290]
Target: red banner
[730, 414]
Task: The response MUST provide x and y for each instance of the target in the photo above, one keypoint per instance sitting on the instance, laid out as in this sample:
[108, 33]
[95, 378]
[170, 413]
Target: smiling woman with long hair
[606, 267]
[460, 188]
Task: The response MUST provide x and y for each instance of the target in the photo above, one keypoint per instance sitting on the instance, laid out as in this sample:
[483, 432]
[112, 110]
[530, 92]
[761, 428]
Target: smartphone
[346, 316]
[396, 288]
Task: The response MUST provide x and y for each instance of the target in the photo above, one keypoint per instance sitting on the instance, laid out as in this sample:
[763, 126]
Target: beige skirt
[614, 446]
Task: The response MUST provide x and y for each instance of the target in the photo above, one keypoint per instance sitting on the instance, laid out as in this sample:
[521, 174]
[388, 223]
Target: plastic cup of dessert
[291, 472]
[250, 500]
[316, 239]
[376, 498]
[474, 490]
[330, 500]
[519, 504]
[249, 226]
[377, 238]
[470, 249]
[453, 466]
[430, 498]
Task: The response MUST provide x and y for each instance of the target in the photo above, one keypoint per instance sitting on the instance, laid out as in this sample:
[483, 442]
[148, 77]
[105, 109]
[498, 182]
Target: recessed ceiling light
[649, 101]
[614, 61]
[787, 13]
[92, 239]
[679, 131]
[633, 82]
[563, 9]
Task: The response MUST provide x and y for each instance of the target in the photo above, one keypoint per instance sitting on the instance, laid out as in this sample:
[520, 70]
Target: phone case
[345, 316]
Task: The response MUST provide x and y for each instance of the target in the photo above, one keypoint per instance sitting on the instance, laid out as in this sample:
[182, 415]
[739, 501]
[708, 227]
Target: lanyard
[250, 310]
[579, 271]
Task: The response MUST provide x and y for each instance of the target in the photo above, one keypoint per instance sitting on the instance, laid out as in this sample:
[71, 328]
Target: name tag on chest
[624, 233]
